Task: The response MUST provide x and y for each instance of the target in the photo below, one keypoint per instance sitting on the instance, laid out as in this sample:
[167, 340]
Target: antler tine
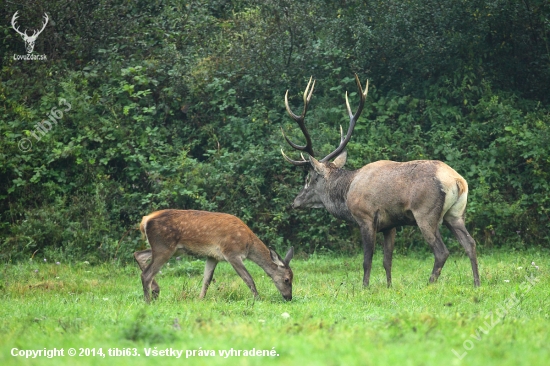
[363, 98]
[297, 147]
[306, 100]
[352, 120]
[308, 93]
[295, 162]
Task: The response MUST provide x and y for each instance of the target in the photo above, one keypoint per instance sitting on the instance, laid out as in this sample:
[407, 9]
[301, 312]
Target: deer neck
[336, 191]
[259, 254]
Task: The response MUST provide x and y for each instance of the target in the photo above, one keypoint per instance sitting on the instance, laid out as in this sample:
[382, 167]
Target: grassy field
[332, 320]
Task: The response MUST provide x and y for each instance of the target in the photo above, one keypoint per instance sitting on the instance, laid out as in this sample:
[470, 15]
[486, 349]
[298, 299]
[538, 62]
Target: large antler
[308, 147]
[353, 117]
[352, 120]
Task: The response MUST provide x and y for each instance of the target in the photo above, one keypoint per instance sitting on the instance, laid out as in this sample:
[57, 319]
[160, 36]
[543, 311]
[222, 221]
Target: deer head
[29, 40]
[319, 170]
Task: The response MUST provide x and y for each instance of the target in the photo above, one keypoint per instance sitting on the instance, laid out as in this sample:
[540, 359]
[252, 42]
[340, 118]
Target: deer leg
[389, 243]
[141, 259]
[441, 253]
[148, 275]
[209, 268]
[368, 235]
[239, 267]
[456, 225]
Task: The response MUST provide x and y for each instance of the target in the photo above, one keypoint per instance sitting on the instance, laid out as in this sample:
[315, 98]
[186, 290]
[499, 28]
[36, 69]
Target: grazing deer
[385, 194]
[217, 236]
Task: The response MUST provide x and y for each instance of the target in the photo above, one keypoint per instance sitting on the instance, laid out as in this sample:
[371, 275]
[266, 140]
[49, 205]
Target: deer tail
[143, 227]
[462, 186]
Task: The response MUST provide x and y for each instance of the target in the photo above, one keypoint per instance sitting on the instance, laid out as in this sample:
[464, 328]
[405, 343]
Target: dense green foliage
[179, 104]
[331, 319]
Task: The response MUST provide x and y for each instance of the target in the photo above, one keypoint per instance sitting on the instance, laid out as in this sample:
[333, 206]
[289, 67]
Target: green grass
[332, 319]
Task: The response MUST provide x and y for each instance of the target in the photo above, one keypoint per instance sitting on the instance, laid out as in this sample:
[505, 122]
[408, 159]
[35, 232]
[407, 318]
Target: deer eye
[287, 280]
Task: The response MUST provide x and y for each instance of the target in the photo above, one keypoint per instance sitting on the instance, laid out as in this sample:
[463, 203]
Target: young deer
[385, 194]
[217, 236]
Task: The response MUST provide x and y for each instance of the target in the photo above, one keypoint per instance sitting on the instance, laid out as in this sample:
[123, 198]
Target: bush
[183, 109]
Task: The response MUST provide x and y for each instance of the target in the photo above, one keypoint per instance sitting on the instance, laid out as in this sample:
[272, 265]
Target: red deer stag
[385, 194]
[216, 236]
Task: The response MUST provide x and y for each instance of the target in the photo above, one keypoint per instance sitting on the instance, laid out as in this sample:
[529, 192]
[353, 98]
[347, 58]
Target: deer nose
[288, 298]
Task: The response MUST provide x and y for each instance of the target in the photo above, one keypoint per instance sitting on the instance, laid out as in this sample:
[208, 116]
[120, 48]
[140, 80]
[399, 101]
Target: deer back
[198, 233]
[393, 194]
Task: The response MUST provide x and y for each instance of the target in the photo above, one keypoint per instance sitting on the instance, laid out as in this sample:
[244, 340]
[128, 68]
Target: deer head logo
[29, 40]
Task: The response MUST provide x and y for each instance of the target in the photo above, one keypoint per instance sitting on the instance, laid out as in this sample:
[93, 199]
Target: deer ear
[340, 160]
[289, 256]
[275, 258]
[320, 168]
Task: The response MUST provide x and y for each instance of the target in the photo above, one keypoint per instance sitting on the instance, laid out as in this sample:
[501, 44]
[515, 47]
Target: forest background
[179, 104]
